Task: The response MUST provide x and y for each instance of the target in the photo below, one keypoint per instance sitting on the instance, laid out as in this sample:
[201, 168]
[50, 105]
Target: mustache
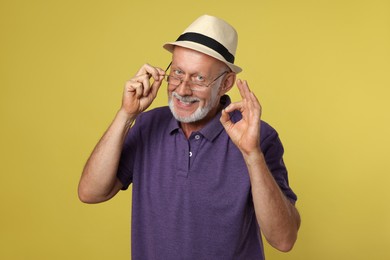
[186, 99]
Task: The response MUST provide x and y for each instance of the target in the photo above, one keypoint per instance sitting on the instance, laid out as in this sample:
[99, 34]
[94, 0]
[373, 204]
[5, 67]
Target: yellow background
[320, 68]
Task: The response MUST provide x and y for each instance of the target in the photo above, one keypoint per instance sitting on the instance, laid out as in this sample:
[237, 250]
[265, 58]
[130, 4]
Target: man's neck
[188, 128]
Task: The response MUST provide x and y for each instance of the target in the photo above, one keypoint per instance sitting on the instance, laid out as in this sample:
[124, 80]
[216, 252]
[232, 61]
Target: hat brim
[203, 49]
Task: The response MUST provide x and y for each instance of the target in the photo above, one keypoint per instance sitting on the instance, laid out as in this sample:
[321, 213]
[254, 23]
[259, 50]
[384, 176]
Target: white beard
[200, 112]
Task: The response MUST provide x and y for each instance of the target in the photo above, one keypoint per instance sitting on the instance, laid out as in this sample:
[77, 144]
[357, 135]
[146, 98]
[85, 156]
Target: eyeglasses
[193, 84]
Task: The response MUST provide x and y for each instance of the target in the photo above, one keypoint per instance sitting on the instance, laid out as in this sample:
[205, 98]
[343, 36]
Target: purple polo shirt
[192, 197]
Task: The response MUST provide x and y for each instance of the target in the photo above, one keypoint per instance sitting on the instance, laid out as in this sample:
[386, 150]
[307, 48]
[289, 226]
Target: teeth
[186, 103]
[185, 100]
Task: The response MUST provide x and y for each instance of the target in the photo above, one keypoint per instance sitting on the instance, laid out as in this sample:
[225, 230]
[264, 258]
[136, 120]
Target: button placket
[183, 160]
[194, 144]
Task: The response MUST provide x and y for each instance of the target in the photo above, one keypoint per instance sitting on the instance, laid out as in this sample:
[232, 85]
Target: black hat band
[209, 42]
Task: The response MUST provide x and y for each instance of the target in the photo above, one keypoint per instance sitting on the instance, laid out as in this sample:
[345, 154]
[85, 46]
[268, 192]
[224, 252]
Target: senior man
[207, 175]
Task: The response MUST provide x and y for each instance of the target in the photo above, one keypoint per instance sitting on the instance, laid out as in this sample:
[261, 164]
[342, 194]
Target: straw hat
[212, 36]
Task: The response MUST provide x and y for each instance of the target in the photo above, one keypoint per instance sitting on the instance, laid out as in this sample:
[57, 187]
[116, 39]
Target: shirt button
[197, 137]
[190, 154]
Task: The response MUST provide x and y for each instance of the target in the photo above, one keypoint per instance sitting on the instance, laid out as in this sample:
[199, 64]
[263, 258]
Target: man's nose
[184, 89]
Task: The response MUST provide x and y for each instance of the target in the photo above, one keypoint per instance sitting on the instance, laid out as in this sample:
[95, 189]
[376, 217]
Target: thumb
[225, 120]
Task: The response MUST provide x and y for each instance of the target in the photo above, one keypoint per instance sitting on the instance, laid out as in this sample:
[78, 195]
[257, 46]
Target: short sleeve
[128, 155]
[273, 151]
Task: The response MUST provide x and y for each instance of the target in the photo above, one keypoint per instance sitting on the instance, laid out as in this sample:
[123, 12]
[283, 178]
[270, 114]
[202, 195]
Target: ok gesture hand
[245, 133]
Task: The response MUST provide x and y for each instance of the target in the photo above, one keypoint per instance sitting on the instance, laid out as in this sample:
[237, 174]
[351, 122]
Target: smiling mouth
[187, 101]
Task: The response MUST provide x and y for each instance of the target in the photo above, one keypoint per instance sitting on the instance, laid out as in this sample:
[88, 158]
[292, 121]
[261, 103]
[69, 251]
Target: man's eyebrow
[176, 67]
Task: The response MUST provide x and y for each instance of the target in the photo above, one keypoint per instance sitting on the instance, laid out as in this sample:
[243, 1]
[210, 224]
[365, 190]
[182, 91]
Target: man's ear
[227, 83]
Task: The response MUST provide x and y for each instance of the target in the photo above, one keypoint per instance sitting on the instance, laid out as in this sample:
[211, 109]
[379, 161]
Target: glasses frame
[191, 83]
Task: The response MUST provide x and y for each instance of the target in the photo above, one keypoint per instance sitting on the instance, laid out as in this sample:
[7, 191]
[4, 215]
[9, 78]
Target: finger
[156, 86]
[144, 69]
[225, 120]
[241, 88]
[151, 71]
[257, 104]
[142, 82]
[137, 87]
[248, 95]
[224, 116]
[146, 73]
[161, 72]
[145, 85]
[234, 106]
[244, 89]
[255, 100]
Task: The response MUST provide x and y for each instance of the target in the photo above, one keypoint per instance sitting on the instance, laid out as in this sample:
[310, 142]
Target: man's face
[188, 102]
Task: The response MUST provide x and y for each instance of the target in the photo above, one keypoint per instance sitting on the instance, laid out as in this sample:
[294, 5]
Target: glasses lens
[173, 80]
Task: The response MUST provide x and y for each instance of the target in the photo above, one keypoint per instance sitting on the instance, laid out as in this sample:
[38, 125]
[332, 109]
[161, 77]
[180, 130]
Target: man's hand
[139, 92]
[245, 133]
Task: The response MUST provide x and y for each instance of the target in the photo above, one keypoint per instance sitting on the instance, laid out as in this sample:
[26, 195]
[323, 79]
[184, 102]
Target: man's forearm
[98, 181]
[278, 218]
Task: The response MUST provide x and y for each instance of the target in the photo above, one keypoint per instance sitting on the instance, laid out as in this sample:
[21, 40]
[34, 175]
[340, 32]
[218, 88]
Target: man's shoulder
[156, 116]
[267, 131]
[267, 127]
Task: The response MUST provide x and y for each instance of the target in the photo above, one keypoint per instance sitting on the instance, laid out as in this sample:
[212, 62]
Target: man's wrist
[254, 157]
[126, 118]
